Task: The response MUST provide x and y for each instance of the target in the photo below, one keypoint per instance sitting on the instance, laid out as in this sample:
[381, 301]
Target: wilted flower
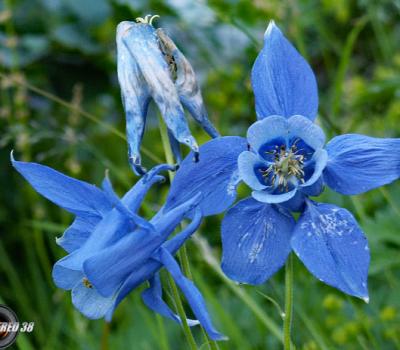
[112, 250]
[284, 161]
[150, 66]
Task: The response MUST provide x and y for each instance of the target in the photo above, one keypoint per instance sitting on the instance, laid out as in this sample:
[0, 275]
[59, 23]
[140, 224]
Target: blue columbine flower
[284, 160]
[150, 66]
[112, 250]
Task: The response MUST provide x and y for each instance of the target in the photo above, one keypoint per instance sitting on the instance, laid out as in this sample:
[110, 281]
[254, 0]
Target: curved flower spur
[112, 250]
[150, 66]
[284, 160]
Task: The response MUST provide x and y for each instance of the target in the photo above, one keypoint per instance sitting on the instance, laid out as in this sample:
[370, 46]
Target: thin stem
[182, 253]
[287, 321]
[175, 293]
[104, 336]
[183, 256]
[181, 312]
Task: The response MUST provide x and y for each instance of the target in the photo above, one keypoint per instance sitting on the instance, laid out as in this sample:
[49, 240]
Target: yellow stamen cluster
[86, 283]
[148, 19]
[287, 163]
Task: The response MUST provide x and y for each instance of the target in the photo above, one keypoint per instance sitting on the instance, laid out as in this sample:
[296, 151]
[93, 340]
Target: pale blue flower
[150, 66]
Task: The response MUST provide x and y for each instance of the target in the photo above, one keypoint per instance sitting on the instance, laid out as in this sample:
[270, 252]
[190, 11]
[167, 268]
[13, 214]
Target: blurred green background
[60, 105]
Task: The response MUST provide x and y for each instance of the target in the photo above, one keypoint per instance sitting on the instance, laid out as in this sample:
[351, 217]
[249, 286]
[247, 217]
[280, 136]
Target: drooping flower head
[150, 66]
[284, 160]
[111, 249]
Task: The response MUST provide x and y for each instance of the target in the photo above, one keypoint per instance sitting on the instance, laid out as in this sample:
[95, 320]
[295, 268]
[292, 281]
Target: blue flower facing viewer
[112, 250]
[150, 66]
[284, 160]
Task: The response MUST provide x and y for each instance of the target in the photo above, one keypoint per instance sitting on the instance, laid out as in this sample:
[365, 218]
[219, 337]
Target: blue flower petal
[263, 131]
[192, 294]
[304, 129]
[135, 97]
[64, 277]
[328, 240]
[296, 203]
[111, 229]
[359, 163]
[134, 197]
[90, 303]
[186, 85]
[136, 278]
[247, 164]
[165, 221]
[320, 158]
[152, 297]
[255, 241]
[77, 234]
[77, 197]
[115, 224]
[282, 80]
[108, 269]
[175, 147]
[122, 208]
[266, 197]
[313, 190]
[215, 175]
[177, 241]
[146, 271]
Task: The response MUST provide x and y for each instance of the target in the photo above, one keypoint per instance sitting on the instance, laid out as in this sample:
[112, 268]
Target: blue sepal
[215, 175]
[282, 80]
[89, 302]
[192, 294]
[75, 196]
[328, 240]
[152, 297]
[255, 241]
[186, 84]
[358, 163]
[122, 208]
[77, 234]
[146, 271]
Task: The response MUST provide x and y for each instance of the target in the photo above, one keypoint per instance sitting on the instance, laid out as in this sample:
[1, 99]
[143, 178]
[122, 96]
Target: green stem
[104, 336]
[181, 312]
[182, 253]
[287, 322]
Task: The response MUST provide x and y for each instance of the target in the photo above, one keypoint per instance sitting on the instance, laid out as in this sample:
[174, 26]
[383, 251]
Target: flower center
[288, 164]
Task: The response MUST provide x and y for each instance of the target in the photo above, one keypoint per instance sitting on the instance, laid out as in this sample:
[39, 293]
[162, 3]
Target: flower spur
[112, 250]
[284, 160]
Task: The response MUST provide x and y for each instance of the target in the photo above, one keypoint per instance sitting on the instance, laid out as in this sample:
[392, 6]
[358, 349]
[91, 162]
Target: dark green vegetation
[76, 125]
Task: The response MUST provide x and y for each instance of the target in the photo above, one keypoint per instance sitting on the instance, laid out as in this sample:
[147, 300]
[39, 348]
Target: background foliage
[60, 105]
